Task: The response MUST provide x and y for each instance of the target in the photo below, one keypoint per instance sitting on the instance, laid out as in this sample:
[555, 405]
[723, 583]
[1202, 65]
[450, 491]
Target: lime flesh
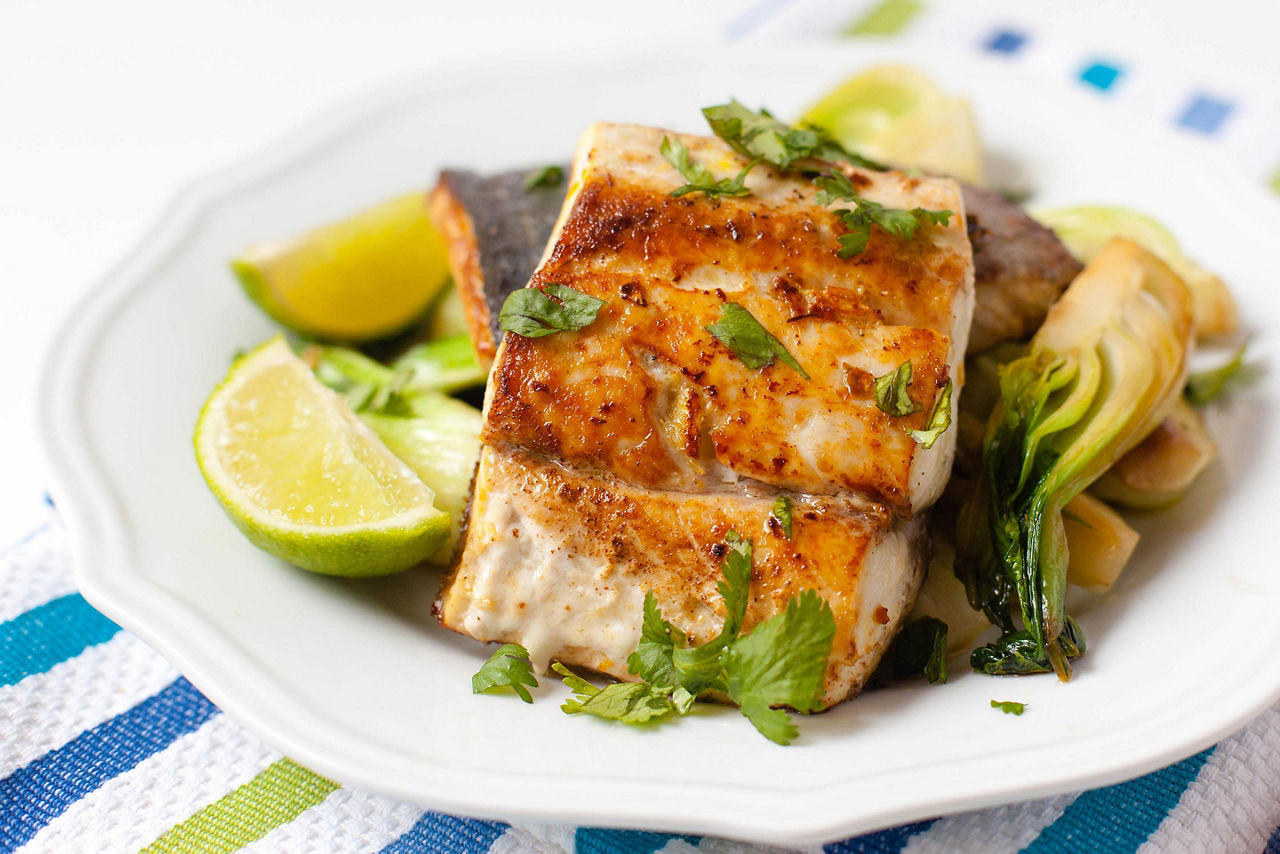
[898, 115]
[363, 278]
[305, 479]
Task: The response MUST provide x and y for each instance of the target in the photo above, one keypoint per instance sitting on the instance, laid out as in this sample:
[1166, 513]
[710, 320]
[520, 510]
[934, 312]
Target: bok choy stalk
[435, 435]
[1101, 372]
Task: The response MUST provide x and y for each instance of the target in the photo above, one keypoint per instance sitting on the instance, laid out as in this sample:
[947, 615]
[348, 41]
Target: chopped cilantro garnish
[547, 309]
[544, 178]
[509, 666]
[891, 391]
[754, 345]
[939, 419]
[699, 177]
[1009, 707]
[782, 512]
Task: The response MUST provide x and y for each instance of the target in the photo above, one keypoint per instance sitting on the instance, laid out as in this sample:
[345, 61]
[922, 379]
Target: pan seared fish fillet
[617, 458]
[496, 232]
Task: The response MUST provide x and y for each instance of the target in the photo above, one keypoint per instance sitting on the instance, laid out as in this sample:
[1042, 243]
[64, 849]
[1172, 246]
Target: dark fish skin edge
[510, 227]
[1020, 267]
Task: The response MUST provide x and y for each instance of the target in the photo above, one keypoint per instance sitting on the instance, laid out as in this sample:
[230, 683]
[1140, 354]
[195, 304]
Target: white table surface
[106, 109]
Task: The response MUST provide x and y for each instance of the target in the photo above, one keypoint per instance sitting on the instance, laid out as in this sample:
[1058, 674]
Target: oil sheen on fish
[496, 233]
[617, 458]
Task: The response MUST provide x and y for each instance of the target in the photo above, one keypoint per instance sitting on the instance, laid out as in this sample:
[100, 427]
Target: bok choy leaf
[1101, 373]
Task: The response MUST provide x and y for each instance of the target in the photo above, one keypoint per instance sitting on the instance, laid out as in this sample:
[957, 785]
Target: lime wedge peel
[305, 479]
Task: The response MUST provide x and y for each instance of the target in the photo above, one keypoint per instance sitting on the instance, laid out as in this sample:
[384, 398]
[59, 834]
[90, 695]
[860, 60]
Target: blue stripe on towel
[49, 634]
[889, 841]
[1119, 818]
[438, 833]
[607, 840]
[37, 793]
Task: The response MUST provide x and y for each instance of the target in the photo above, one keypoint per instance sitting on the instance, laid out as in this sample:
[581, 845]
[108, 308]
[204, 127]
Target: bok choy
[1101, 372]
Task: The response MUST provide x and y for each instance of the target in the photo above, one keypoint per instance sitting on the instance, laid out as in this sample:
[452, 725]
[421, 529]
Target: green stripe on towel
[278, 795]
[886, 19]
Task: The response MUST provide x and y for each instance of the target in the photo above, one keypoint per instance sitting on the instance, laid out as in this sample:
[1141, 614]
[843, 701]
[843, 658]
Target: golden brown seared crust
[617, 457]
[450, 217]
[649, 395]
[607, 543]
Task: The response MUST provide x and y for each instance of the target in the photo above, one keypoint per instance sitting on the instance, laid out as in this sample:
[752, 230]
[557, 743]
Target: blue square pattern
[1005, 41]
[1101, 75]
[1205, 114]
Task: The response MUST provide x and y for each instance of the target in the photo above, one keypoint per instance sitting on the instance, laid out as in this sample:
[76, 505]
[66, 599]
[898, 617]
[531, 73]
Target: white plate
[357, 681]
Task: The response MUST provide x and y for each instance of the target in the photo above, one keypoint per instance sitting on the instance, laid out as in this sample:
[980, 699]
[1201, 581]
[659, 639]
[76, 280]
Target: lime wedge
[363, 278]
[305, 479]
[898, 115]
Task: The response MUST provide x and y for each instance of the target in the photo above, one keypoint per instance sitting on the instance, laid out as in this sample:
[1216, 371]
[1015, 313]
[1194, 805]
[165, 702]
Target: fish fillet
[617, 458]
[496, 231]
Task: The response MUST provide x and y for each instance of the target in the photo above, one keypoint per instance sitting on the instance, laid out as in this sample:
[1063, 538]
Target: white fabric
[347, 820]
[1234, 803]
[34, 571]
[46, 710]
[135, 808]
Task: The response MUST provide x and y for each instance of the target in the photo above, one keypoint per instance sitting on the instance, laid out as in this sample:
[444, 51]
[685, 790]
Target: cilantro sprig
[834, 186]
[508, 667]
[1009, 707]
[760, 134]
[699, 177]
[782, 662]
[810, 150]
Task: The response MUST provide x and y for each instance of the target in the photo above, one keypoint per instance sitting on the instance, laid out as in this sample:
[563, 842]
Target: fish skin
[1020, 268]
[615, 456]
[495, 231]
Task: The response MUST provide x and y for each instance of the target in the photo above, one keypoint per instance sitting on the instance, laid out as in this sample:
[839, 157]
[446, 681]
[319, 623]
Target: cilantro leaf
[627, 702]
[699, 177]
[550, 308]
[1009, 707]
[509, 666]
[891, 391]
[544, 178]
[760, 135]
[939, 419]
[652, 659]
[834, 186]
[1205, 386]
[921, 650]
[782, 512]
[662, 657]
[782, 662]
[735, 589]
[754, 345]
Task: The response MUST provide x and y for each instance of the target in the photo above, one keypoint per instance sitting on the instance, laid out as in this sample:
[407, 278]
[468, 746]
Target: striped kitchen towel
[104, 747]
